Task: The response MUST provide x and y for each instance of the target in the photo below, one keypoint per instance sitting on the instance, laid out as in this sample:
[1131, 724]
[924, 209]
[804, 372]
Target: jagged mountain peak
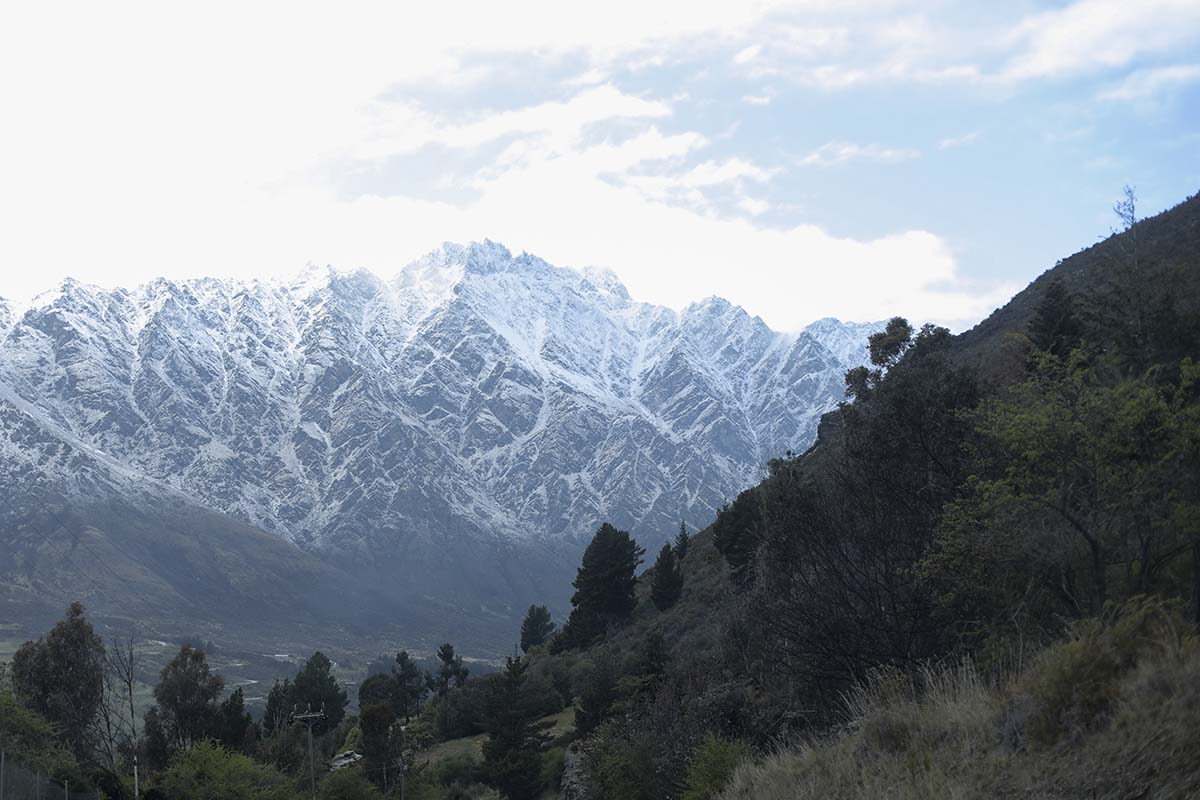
[477, 396]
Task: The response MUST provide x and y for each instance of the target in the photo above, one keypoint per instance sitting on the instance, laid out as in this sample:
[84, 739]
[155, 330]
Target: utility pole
[308, 719]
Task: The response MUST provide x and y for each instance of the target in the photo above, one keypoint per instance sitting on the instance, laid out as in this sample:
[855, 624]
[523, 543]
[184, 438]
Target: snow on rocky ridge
[477, 394]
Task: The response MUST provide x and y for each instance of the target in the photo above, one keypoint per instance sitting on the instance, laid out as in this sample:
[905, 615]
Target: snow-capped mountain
[477, 396]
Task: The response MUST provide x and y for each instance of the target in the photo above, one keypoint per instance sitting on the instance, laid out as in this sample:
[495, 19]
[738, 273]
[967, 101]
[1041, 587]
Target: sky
[803, 159]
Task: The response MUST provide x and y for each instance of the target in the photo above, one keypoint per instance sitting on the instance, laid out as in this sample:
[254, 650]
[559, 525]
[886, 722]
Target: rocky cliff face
[479, 402]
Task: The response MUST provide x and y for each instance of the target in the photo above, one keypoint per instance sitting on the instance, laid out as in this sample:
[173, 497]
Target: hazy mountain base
[175, 570]
[1110, 713]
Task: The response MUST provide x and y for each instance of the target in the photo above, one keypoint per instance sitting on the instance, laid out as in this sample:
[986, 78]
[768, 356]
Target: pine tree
[234, 725]
[375, 723]
[682, 540]
[512, 752]
[536, 628]
[451, 671]
[410, 685]
[604, 586]
[597, 695]
[667, 583]
[1055, 328]
[316, 687]
[279, 706]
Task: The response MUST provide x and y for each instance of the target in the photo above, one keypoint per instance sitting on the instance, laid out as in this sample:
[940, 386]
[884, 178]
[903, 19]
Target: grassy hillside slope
[1109, 713]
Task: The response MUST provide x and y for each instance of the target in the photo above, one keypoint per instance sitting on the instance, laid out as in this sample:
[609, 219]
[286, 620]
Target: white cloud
[1091, 35]
[832, 153]
[142, 141]
[753, 206]
[1146, 83]
[747, 54]
[757, 99]
[958, 141]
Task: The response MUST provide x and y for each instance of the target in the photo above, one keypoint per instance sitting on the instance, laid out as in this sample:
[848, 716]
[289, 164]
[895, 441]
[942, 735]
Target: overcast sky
[855, 159]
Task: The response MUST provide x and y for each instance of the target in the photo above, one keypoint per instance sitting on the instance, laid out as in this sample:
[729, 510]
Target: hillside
[879, 557]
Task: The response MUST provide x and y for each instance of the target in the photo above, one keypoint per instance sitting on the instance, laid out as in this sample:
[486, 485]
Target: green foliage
[512, 757]
[711, 767]
[1055, 327]
[536, 628]
[597, 693]
[409, 685]
[186, 708]
[379, 746]
[604, 586]
[234, 728]
[316, 688]
[451, 671]
[887, 346]
[278, 708]
[738, 531]
[1075, 499]
[377, 689]
[840, 536]
[1075, 683]
[61, 677]
[667, 583]
[348, 784]
[31, 739]
[553, 765]
[682, 540]
[208, 771]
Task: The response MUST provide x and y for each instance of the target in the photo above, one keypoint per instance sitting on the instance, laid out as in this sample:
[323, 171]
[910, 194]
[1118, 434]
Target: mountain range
[442, 442]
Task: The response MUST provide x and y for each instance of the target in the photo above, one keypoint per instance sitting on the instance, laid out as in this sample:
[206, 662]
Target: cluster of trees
[69, 707]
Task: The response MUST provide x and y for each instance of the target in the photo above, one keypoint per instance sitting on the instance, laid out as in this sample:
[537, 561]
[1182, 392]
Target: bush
[461, 768]
[210, 772]
[553, 763]
[712, 766]
[348, 784]
[1075, 683]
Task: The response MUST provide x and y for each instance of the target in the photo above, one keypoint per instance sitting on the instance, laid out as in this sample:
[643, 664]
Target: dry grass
[1128, 728]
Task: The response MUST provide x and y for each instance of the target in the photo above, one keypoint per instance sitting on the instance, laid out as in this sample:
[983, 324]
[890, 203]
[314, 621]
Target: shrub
[712, 766]
[348, 784]
[553, 763]
[1075, 683]
[209, 772]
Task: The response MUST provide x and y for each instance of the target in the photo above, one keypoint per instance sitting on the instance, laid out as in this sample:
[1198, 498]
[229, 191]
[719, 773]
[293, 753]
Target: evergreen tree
[512, 752]
[61, 677]
[597, 695]
[451, 671]
[737, 532]
[377, 689]
[682, 540]
[315, 687]
[234, 727]
[604, 586]
[667, 583]
[279, 707]
[375, 722]
[410, 685]
[1055, 328]
[536, 628]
